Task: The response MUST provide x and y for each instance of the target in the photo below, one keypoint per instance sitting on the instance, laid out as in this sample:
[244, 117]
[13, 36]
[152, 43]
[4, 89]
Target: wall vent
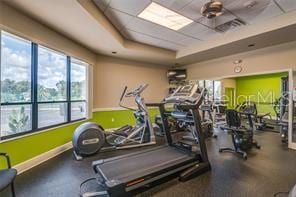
[230, 25]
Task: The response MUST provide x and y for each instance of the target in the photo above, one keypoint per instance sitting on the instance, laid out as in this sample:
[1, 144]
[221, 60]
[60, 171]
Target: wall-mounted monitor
[177, 75]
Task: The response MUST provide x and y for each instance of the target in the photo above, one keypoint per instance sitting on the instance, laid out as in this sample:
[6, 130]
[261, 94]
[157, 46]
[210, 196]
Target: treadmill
[121, 175]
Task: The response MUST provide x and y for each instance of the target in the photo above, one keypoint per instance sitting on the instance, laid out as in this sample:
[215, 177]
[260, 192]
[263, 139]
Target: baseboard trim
[117, 109]
[35, 161]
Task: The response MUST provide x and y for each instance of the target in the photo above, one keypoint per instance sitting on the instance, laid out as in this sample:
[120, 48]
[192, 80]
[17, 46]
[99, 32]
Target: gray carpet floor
[267, 171]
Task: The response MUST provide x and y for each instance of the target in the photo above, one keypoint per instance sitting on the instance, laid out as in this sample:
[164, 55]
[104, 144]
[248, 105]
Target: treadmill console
[189, 94]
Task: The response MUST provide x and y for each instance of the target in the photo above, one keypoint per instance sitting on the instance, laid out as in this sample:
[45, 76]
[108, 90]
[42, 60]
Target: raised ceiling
[123, 15]
[84, 22]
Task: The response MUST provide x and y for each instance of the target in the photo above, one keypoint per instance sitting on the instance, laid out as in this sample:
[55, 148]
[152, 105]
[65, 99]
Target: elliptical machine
[89, 138]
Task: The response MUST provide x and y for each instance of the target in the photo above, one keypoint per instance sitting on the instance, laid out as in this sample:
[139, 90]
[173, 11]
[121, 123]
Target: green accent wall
[262, 89]
[27, 147]
[118, 118]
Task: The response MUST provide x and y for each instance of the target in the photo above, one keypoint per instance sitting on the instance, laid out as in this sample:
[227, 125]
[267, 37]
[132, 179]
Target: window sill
[42, 131]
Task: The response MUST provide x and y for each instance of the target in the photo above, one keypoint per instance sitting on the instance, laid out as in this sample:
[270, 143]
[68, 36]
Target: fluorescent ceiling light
[165, 17]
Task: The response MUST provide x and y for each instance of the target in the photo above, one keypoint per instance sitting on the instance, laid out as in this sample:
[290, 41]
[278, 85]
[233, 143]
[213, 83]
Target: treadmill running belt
[127, 168]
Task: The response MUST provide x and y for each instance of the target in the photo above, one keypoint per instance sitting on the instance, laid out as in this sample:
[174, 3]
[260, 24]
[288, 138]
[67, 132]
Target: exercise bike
[89, 138]
[242, 137]
[256, 121]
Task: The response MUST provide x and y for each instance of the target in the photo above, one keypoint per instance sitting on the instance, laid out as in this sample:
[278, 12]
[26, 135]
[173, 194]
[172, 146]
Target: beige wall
[262, 60]
[227, 83]
[15, 22]
[111, 75]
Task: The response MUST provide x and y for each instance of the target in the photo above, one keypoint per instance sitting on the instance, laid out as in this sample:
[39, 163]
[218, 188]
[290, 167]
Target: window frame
[214, 90]
[34, 90]
[213, 87]
[69, 63]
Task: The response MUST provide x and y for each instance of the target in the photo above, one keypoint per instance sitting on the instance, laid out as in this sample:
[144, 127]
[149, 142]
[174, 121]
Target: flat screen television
[177, 74]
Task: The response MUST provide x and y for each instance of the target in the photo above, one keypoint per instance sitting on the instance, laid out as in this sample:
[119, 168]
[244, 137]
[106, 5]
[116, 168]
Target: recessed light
[251, 45]
[237, 61]
[162, 16]
[114, 52]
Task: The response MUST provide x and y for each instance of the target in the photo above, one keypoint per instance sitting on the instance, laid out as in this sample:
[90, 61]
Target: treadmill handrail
[187, 100]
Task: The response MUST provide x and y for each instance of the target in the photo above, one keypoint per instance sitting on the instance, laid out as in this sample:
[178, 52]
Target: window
[78, 89]
[217, 90]
[52, 75]
[16, 100]
[210, 88]
[40, 87]
[52, 87]
[213, 88]
[201, 83]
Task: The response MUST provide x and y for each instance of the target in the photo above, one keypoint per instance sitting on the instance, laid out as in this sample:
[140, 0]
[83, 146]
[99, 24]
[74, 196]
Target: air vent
[230, 25]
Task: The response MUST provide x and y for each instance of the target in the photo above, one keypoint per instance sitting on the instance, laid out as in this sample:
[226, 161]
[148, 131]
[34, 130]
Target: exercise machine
[281, 108]
[219, 108]
[89, 138]
[207, 119]
[242, 137]
[177, 124]
[123, 175]
[256, 120]
[173, 124]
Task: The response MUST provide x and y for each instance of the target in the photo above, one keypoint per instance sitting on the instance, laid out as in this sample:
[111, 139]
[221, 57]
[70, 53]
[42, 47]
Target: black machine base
[194, 171]
[239, 151]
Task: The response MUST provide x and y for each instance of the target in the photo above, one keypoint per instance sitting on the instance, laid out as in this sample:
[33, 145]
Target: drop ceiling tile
[192, 10]
[225, 17]
[226, 3]
[175, 5]
[198, 31]
[157, 31]
[287, 5]
[102, 4]
[271, 11]
[239, 9]
[133, 7]
[139, 37]
[117, 18]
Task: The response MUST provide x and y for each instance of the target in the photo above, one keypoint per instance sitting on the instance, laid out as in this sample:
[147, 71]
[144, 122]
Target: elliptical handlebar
[136, 92]
[123, 93]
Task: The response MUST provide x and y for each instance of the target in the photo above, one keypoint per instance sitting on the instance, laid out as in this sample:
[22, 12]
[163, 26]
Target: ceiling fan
[212, 10]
